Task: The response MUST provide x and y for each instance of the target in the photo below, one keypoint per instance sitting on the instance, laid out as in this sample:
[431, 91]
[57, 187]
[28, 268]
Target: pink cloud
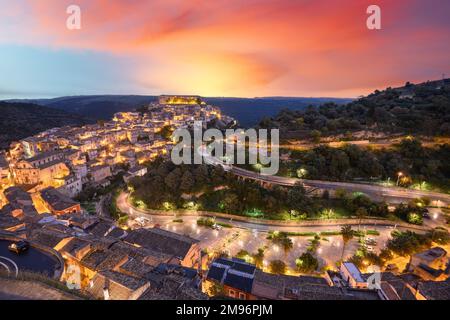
[253, 47]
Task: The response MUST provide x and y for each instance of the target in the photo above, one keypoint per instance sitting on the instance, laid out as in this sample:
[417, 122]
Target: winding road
[164, 218]
[392, 195]
[388, 194]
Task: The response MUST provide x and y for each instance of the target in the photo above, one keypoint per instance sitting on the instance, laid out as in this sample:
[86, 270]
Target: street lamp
[301, 172]
[398, 177]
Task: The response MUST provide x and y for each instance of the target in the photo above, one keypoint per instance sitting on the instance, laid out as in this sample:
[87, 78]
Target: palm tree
[347, 235]
[258, 258]
[277, 267]
[287, 245]
[360, 213]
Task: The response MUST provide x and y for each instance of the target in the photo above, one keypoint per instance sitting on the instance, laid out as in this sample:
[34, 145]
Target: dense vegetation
[20, 120]
[418, 109]
[416, 163]
[201, 187]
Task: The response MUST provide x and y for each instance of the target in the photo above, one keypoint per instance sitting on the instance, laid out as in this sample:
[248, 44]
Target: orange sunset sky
[221, 47]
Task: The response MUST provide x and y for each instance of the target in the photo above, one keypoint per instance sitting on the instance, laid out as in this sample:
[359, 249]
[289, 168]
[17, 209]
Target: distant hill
[101, 107]
[20, 120]
[414, 108]
[247, 110]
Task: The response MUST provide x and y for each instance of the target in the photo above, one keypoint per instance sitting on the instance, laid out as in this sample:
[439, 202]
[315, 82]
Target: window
[241, 296]
[232, 293]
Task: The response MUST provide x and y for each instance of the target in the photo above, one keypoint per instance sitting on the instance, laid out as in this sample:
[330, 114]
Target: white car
[142, 221]
[216, 227]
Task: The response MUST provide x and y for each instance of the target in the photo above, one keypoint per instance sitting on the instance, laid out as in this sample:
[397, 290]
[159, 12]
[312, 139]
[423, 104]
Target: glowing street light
[399, 174]
[301, 172]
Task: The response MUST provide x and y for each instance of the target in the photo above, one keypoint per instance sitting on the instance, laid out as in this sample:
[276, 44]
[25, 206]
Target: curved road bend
[380, 193]
[389, 194]
[124, 206]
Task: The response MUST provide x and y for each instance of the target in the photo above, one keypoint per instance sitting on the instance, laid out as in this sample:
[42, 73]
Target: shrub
[408, 242]
[440, 236]
[307, 263]
[224, 225]
[414, 218]
[242, 254]
[277, 267]
[206, 222]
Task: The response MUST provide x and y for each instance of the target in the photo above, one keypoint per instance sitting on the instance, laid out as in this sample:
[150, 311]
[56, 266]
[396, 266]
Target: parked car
[215, 226]
[142, 221]
[19, 247]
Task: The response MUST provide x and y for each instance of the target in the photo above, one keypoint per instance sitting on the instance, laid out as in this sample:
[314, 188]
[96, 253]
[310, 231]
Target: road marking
[12, 262]
[6, 267]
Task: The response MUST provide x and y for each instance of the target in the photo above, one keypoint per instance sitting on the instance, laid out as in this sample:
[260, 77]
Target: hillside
[99, 107]
[248, 111]
[20, 120]
[413, 109]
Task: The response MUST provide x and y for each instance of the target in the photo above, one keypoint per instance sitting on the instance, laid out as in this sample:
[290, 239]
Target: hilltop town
[43, 174]
[101, 258]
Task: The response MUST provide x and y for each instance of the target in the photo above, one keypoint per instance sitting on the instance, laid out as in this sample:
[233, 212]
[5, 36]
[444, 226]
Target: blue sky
[220, 48]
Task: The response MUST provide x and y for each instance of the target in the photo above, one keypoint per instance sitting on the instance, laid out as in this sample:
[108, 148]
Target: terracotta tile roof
[435, 290]
[161, 241]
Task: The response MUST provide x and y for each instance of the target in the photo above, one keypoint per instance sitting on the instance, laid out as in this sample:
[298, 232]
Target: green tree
[242, 254]
[166, 132]
[297, 199]
[307, 263]
[440, 236]
[316, 135]
[386, 255]
[172, 180]
[341, 194]
[414, 218]
[360, 214]
[216, 290]
[347, 235]
[287, 245]
[187, 182]
[408, 243]
[277, 267]
[258, 258]
[231, 203]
